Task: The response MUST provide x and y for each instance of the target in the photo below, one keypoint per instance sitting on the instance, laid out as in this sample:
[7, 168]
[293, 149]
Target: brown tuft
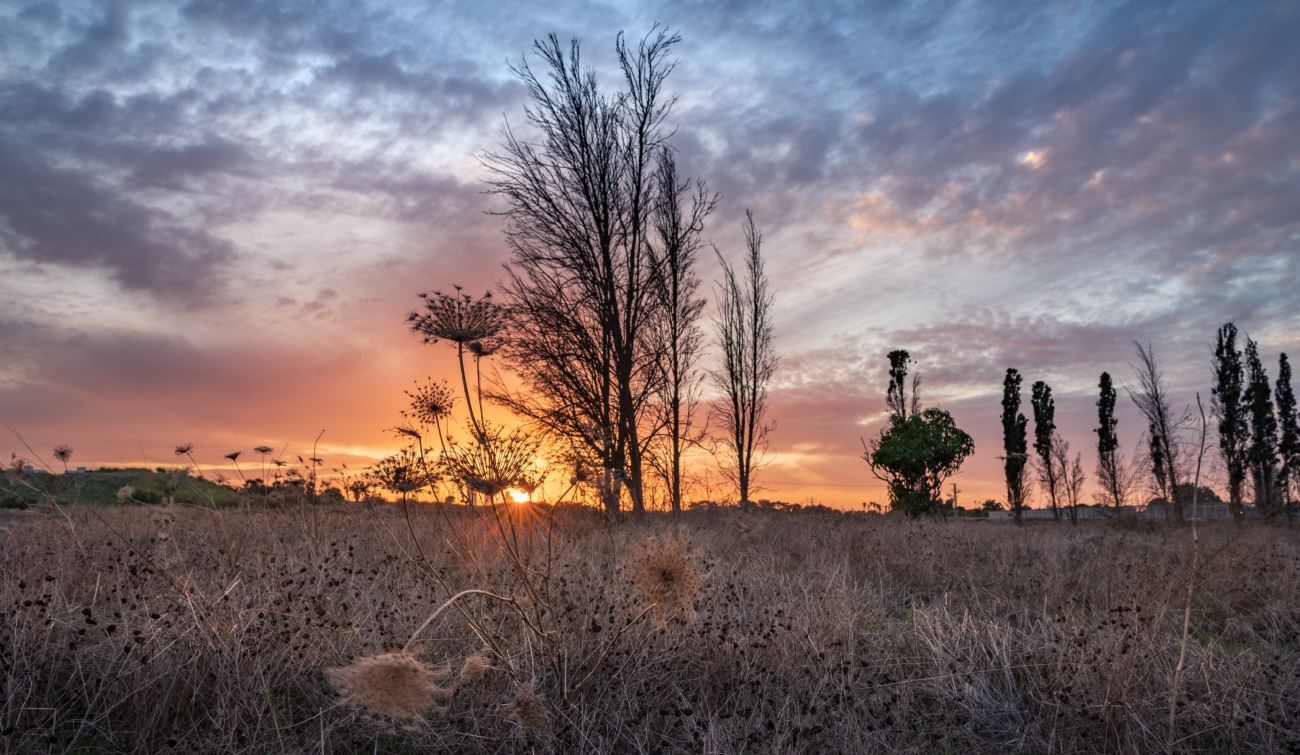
[665, 574]
[394, 684]
[528, 710]
[474, 668]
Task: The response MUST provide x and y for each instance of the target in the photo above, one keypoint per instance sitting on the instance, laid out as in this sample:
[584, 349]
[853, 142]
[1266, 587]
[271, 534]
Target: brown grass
[811, 634]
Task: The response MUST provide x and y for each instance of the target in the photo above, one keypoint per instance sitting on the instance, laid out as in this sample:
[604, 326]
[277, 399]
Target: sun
[519, 496]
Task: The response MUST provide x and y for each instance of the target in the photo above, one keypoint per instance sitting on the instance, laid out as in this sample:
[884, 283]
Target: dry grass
[202, 631]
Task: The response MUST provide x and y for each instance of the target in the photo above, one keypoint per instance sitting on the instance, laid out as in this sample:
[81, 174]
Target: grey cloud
[64, 216]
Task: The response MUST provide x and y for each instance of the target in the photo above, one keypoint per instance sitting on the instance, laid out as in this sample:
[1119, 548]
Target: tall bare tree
[744, 329]
[679, 222]
[1164, 428]
[581, 277]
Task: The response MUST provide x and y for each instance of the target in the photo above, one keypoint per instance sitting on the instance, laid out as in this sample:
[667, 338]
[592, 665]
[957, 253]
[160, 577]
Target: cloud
[986, 188]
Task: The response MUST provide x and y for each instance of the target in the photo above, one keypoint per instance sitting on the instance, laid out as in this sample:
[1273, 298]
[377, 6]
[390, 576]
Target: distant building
[1154, 510]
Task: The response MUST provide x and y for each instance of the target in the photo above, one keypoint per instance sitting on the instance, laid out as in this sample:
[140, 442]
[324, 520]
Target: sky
[215, 216]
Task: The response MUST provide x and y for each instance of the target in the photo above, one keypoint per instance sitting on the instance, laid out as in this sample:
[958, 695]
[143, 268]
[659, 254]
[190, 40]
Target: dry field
[184, 630]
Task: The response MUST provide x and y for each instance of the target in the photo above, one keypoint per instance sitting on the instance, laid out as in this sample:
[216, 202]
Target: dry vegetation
[181, 629]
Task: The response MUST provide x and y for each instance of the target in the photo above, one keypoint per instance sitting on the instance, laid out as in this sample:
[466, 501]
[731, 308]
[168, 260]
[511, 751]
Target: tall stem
[464, 382]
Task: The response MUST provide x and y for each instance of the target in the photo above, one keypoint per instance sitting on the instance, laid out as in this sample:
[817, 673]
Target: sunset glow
[213, 222]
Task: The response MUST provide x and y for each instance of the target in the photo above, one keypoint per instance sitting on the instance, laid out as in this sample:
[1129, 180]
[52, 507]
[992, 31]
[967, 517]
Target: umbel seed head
[394, 684]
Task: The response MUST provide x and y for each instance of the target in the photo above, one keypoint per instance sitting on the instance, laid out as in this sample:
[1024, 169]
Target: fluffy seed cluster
[474, 668]
[528, 710]
[394, 684]
[666, 574]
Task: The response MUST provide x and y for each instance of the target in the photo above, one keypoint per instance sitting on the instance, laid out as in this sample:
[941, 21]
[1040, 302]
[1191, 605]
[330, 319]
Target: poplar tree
[1289, 447]
[1228, 408]
[1044, 438]
[1262, 454]
[1112, 475]
[1014, 442]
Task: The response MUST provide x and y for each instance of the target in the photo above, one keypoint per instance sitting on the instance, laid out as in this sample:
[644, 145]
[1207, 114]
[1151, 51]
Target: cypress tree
[1044, 433]
[1262, 454]
[1014, 442]
[1230, 410]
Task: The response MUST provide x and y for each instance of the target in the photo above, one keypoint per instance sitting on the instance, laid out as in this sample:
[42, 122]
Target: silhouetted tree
[1014, 442]
[897, 399]
[1262, 453]
[1164, 428]
[1289, 445]
[1113, 475]
[582, 278]
[1229, 410]
[678, 228]
[744, 328]
[1044, 439]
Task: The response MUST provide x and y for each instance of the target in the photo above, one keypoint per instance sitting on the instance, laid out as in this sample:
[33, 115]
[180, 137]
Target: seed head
[475, 667]
[459, 318]
[528, 710]
[665, 574]
[430, 403]
[63, 452]
[394, 684]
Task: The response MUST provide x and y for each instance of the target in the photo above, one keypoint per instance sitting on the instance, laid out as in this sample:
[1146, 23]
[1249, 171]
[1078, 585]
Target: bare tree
[581, 278]
[1164, 428]
[681, 341]
[744, 328]
[1070, 476]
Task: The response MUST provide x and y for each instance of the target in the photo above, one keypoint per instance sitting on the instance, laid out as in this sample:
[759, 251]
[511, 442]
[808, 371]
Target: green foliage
[915, 455]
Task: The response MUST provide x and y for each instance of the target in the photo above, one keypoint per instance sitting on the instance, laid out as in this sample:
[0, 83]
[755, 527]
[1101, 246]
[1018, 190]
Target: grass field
[160, 629]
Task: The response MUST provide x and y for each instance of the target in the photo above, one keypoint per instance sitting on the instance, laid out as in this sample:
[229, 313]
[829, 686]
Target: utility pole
[955, 491]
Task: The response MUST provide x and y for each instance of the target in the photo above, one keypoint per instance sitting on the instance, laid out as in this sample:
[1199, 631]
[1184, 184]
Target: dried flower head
[262, 450]
[665, 573]
[528, 710]
[486, 487]
[63, 452]
[394, 684]
[485, 347]
[430, 403]
[185, 449]
[124, 493]
[458, 318]
[234, 455]
[475, 667]
[15, 471]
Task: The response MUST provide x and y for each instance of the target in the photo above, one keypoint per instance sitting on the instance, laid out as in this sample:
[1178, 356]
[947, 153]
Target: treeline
[1256, 441]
